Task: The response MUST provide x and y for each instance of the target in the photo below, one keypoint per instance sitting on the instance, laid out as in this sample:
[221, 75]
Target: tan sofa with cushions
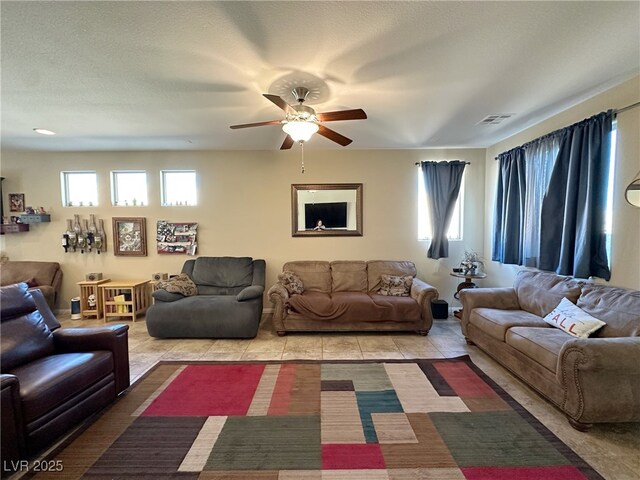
[592, 380]
[342, 296]
[45, 276]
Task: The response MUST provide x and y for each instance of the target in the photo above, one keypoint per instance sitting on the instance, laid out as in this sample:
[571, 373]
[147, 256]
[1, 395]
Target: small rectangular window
[129, 188]
[79, 189]
[178, 188]
[424, 222]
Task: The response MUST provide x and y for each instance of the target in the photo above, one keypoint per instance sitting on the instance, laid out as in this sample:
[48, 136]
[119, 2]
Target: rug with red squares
[303, 420]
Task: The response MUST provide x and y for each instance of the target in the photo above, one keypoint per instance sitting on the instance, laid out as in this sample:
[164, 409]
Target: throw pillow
[573, 320]
[179, 284]
[291, 282]
[395, 285]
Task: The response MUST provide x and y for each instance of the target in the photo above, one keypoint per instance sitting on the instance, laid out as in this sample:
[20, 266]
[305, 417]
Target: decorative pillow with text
[395, 285]
[291, 282]
[573, 320]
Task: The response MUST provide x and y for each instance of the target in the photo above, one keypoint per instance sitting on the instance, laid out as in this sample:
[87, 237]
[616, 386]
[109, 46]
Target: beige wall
[244, 208]
[244, 204]
[625, 265]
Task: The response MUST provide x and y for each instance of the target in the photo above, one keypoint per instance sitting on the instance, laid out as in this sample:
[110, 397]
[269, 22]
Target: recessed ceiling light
[43, 131]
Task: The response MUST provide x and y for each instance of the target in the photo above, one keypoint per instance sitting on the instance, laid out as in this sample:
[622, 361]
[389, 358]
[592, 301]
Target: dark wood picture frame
[129, 236]
[326, 188]
[16, 202]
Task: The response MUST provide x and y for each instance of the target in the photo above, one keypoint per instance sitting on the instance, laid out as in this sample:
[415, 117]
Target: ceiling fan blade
[258, 124]
[335, 136]
[280, 103]
[287, 144]
[357, 114]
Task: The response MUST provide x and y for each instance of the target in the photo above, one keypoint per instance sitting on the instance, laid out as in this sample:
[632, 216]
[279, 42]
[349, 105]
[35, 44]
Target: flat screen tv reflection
[332, 215]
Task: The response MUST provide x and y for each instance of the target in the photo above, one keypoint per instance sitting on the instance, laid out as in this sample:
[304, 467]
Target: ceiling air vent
[495, 119]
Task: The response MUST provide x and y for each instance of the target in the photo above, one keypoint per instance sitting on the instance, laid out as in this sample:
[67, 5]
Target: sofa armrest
[113, 338]
[279, 296]
[161, 295]
[249, 293]
[602, 354]
[12, 433]
[277, 293]
[499, 298]
[601, 379]
[423, 293]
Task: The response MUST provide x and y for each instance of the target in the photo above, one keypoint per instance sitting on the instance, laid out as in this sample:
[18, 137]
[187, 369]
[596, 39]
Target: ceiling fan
[301, 121]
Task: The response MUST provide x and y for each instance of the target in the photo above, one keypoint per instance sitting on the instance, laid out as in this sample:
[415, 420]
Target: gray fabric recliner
[228, 304]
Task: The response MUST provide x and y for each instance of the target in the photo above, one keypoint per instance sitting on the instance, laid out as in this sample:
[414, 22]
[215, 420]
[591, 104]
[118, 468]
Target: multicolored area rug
[386, 420]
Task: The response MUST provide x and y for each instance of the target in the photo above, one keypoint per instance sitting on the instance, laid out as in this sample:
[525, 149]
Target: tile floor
[613, 450]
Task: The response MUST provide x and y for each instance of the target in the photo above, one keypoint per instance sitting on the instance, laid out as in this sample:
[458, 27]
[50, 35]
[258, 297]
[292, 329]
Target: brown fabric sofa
[342, 296]
[46, 276]
[52, 378]
[592, 380]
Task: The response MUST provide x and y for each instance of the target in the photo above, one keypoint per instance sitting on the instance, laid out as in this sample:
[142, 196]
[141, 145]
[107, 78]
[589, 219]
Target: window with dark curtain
[551, 201]
[442, 182]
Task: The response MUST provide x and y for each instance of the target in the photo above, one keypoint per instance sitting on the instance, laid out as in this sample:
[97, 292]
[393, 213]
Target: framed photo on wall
[130, 236]
[16, 202]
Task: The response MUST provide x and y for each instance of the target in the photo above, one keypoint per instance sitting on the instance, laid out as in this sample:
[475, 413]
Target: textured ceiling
[175, 75]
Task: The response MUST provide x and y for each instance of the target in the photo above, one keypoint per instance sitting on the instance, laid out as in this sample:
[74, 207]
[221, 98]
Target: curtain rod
[628, 107]
[466, 163]
[615, 112]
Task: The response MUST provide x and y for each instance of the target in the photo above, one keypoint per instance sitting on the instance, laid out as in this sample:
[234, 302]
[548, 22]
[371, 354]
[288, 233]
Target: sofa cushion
[48, 382]
[573, 320]
[15, 301]
[315, 275]
[617, 307]
[496, 322]
[349, 276]
[223, 271]
[375, 269]
[542, 345]
[40, 273]
[355, 306]
[24, 334]
[540, 292]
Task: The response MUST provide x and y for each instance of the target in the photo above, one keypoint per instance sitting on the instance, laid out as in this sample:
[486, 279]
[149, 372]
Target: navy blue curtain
[572, 237]
[442, 185]
[509, 208]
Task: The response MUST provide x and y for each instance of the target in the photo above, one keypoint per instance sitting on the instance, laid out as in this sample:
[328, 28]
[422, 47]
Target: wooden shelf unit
[91, 287]
[136, 290]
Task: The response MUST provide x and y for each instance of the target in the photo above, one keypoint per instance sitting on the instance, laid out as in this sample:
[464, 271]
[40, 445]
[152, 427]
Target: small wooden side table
[136, 293]
[468, 283]
[87, 288]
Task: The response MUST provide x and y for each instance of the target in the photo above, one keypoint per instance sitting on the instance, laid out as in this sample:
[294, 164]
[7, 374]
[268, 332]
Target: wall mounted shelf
[13, 228]
[35, 218]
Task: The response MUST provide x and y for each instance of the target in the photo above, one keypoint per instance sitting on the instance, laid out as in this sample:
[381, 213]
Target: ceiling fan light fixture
[300, 131]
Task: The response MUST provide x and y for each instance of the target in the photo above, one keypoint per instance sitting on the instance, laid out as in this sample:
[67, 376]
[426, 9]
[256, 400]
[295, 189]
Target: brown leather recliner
[52, 378]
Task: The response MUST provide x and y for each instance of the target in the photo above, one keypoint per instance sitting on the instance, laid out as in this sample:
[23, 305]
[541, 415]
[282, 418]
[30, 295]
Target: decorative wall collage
[129, 236]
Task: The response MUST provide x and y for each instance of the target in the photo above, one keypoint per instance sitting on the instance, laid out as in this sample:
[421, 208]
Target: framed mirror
[632, 194]
[326, 210]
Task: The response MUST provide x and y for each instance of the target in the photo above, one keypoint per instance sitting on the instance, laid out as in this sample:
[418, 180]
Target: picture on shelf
[176, 238]
[129, 236]
[16, 202]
